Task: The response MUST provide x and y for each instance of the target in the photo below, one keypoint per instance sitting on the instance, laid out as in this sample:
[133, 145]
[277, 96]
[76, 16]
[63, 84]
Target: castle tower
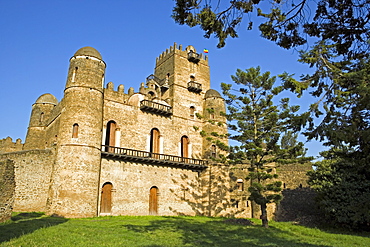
[75, 180]
[40, 115]
[187, 74]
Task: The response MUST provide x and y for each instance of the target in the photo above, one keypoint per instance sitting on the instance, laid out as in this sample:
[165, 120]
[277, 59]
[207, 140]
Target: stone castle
[101, 151]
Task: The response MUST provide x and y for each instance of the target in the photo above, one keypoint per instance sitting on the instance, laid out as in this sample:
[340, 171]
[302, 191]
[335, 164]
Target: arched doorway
[153, 201]
[106, 199]
[110, 137]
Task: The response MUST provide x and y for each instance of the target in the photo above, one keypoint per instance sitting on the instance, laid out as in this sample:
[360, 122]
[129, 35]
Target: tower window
[41, 117]
[192, 111]
[213, 151]
[75, 131]
[192, 78]
[74, 74]
[240, 184]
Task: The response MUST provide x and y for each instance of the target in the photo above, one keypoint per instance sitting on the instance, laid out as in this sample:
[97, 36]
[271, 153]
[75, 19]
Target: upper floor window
[192, 111]
[154, 141]
[213, 151]
[110, 137]
[75, 131]
[185, 147]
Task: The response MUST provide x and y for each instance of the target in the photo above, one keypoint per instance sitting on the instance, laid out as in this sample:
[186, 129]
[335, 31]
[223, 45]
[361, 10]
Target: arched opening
[192, 111]
[184, 147]
[106, 199]
[41, 117]
[240, 184]
[75, 131]
[192, 78]
[153, 201]
[110, 137]
[154, 141]
[213, 151]
[151, 95]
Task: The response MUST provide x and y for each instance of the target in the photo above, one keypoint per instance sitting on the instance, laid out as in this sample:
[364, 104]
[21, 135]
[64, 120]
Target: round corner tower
[75, 181]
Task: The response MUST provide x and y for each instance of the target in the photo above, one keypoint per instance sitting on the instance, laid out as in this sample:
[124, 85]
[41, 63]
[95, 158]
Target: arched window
[213, 151]
[212, 113]
[110, 137]
[154, 141]
[74, 74]
[240, 184]
[41, 117]
[184, 147]
[192, 78]
[192, 111]
[153, 201]
[106, 198]
[75, 131]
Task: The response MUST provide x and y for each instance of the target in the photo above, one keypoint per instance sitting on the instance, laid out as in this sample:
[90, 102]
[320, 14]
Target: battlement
[190, 53]
[7, 145]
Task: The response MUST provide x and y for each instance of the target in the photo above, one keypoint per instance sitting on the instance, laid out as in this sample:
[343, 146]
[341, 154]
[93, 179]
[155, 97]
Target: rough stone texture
[7, 188]
[32, 171]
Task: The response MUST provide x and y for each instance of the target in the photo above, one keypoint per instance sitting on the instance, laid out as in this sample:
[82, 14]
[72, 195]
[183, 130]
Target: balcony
[194, 87]
[156, 108]
[193, 57]
[132, 155]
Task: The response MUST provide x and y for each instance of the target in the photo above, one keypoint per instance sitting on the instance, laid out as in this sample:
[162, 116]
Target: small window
[41, 117]
[192, 111]
[240, 184]
[75, 131]
[192, 78]
[213, 151]
[212, 113]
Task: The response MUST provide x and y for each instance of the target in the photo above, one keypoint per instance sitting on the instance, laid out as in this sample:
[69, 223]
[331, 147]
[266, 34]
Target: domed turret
[211, 93]
[47, 98]
[88, 51]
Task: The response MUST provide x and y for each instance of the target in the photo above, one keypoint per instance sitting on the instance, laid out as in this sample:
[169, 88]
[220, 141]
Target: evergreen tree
[256, 123]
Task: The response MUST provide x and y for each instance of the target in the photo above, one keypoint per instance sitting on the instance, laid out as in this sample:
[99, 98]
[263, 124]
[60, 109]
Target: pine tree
[256, 122]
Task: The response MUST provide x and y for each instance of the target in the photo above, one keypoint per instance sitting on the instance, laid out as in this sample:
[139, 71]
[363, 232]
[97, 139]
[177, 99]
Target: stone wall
[32, 171]
[7, 145]
[131, 183]
[7, 188]
[294, 175]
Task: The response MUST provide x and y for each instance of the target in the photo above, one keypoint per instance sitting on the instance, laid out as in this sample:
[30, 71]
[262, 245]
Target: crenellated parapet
[189, 52]
[7, 145]
[118, 95]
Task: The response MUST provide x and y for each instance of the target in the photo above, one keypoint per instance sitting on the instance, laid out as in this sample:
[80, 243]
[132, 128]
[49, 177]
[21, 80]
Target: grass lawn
[36, 229]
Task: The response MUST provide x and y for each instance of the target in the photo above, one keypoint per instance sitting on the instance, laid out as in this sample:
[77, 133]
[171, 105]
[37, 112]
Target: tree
[343, 187]
[256, 123]
[344, 23]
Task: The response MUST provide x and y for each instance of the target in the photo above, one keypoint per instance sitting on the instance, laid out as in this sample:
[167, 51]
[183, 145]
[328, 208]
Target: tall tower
[75, 181]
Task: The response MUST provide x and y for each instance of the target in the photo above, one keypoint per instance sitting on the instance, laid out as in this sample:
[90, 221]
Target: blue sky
[38, 38]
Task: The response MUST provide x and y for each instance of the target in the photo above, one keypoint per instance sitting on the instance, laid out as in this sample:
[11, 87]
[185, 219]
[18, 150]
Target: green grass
[36, 229]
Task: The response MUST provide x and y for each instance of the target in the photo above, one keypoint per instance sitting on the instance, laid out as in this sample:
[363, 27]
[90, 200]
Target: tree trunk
[264, 219]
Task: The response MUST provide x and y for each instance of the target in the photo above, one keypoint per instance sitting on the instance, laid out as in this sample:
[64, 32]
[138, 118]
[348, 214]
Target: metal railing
[151, 106]
[194, 86]
[153, 158]
[193, 57]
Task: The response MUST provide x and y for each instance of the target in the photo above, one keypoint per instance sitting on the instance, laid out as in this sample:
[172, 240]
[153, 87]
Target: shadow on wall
[298, 205]
[209, 196]
[24, 223]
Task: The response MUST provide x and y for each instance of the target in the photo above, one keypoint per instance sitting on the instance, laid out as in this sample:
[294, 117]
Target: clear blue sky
[38, 38]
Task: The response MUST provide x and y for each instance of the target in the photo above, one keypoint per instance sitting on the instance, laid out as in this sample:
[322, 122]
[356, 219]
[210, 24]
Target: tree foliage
[290, 23]
[343, 186]
[256, 122]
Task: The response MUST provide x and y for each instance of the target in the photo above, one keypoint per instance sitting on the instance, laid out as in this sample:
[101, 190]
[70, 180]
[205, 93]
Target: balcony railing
[153, 158]
[154, 107]
[193, 57]
[194, 87]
